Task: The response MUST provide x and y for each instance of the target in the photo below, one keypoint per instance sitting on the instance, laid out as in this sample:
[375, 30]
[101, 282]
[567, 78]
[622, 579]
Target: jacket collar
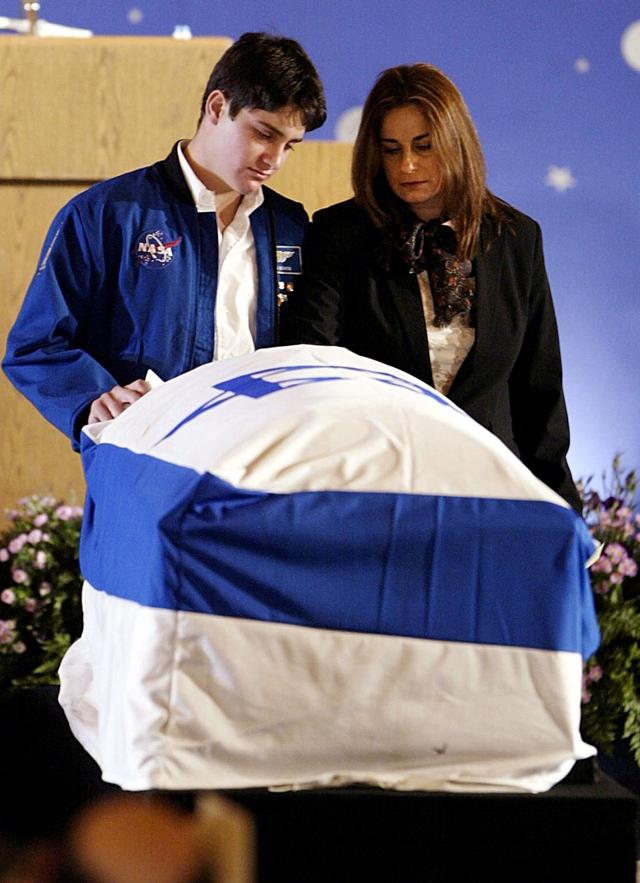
[170, 171]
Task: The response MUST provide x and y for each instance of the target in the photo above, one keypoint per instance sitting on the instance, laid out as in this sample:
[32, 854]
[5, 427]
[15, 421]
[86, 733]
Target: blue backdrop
[553, 87]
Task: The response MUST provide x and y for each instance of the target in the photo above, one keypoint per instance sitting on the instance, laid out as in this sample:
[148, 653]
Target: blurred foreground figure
[132, 839]
[128, 838]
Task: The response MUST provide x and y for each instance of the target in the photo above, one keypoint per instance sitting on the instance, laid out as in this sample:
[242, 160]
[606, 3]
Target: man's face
[244, 152]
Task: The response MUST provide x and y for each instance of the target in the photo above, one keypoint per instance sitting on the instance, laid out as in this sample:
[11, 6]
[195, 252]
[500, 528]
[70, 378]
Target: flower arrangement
[611, 679]
[40, 590]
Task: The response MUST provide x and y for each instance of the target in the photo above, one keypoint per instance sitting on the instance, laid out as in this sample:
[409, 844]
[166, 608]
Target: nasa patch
[154, 249]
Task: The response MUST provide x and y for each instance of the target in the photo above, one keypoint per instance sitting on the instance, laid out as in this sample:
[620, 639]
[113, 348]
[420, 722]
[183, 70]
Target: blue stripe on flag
[489, 571]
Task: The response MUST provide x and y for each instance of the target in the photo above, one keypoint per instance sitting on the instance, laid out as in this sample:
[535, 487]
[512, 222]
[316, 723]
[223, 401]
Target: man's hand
[114, 402]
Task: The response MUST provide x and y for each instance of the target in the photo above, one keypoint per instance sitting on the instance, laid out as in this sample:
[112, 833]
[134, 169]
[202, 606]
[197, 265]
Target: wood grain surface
[80, 110]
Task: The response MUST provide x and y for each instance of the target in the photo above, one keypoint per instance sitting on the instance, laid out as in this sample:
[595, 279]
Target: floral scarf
[431, 246]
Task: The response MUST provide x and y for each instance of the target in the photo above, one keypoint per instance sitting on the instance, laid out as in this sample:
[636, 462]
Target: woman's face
[413, 170]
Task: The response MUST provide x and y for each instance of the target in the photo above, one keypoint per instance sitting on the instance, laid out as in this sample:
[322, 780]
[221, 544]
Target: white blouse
[449, 344]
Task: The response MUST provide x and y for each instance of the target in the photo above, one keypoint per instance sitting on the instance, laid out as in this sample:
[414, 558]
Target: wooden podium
[73, 112]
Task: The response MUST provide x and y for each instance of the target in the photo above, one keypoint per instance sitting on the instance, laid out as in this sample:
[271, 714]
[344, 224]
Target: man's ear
[215, 105]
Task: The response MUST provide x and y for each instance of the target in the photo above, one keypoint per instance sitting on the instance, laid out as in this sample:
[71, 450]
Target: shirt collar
[205, 200]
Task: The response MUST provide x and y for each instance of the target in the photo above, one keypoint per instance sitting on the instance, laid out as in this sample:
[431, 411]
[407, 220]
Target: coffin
[306, 568]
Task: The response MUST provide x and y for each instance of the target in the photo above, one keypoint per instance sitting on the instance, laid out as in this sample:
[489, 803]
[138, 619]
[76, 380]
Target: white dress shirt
[237, 294]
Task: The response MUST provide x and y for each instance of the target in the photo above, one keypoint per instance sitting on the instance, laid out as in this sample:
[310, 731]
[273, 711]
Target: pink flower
[601, 588]
[41, 519]
[40, 561]
[7, 630]
[64, 513]
[19, 575]
[19, 647]
[30, 605]
[602, 565]
[616, 578]
[17, 543]
[45, 589]
[45, 537]
[35, 536]
[628, 567]
[615, 552]
[8, 596]
[4, 554]
[594, 673]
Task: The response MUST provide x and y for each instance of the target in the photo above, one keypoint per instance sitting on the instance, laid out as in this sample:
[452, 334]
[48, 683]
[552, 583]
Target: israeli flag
[306, 568]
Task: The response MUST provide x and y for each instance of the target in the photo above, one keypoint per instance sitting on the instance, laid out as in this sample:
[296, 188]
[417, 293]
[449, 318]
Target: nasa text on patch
[154, 249]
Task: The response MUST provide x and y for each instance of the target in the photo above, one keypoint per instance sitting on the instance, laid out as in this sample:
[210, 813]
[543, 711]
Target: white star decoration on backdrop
[135, 15]
[630, 45]
[560, 178]
[582, 65]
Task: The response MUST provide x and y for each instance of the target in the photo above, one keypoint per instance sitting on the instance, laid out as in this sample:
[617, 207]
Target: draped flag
[304, 567]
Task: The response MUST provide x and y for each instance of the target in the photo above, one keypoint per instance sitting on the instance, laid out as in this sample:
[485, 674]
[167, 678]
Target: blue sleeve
[45, 359]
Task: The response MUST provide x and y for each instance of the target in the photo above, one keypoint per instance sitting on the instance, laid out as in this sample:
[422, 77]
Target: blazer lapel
[404, 290]
[488, 267]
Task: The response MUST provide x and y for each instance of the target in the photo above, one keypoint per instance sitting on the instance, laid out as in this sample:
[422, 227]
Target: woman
[428, 271]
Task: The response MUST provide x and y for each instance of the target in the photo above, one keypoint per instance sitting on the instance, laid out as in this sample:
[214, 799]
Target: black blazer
[511, 380]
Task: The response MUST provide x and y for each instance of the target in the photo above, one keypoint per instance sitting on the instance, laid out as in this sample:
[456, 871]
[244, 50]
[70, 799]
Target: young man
[170, 266]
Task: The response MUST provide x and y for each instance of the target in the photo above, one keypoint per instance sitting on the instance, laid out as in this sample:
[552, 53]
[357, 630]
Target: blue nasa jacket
[127, 282]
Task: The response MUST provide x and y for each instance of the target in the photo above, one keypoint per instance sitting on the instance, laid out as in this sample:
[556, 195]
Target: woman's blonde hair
[453, 137]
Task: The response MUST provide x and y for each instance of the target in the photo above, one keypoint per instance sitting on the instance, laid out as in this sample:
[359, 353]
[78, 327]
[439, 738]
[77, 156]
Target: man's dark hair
[265, 72]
